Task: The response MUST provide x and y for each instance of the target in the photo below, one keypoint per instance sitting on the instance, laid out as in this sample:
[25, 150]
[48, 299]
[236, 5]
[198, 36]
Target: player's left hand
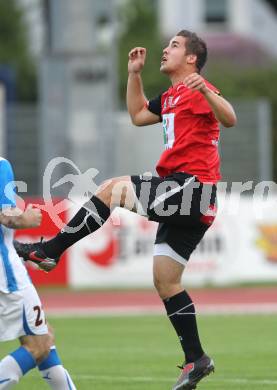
[195, 82]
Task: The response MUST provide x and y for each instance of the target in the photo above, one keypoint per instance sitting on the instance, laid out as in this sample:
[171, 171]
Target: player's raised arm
[14, 218]
[222, 109]
[136, 100]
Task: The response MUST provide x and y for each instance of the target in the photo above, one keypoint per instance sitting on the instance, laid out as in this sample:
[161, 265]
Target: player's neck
[180, 77]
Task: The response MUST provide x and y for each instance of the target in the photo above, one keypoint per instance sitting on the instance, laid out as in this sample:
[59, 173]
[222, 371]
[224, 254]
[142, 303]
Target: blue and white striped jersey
[13, 274]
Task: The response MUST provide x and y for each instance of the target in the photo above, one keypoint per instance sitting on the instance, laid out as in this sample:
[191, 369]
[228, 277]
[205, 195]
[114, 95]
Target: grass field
[134, 353]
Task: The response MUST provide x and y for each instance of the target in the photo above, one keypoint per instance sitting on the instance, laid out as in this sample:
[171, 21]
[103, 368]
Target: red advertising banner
[47, 229]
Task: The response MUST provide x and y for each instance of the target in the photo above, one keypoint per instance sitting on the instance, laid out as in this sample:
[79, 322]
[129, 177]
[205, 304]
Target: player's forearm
[13, 222]
[222, 109]
[135, 96]
[16, 219]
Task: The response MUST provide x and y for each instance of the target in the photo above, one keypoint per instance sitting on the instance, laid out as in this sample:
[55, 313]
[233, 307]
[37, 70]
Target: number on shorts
[39, 320]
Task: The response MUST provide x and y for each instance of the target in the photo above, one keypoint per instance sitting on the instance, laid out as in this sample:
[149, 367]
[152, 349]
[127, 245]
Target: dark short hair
[195, 45]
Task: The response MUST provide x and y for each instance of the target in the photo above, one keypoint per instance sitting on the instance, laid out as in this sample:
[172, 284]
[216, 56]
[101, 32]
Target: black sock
[88, 219]
[181, 312]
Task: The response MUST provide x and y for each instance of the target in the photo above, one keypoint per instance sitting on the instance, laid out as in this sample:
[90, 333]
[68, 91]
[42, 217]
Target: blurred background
[63, 74]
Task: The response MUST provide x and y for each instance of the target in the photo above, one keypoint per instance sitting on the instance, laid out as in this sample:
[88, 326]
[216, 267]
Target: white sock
[54, 373]
[10, 373]
[14, 366]
[58, 378]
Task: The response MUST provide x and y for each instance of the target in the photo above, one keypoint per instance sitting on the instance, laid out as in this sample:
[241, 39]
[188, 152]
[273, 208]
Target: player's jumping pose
[182, 198]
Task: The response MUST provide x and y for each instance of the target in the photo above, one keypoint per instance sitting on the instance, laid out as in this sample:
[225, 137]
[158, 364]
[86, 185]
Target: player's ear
[191, 59]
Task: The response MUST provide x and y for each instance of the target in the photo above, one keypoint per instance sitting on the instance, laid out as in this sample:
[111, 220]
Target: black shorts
[184, 208]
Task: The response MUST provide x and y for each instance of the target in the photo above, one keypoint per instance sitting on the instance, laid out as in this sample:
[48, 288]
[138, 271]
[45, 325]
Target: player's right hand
[136, 59]
[32, 216]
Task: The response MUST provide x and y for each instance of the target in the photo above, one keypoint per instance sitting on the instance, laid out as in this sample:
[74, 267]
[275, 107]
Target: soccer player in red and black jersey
[182, 198]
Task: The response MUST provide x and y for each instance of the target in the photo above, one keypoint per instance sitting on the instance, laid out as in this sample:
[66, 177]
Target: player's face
[174, 56]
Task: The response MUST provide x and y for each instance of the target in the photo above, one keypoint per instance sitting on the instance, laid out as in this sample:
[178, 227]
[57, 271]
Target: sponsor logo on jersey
[173, 102]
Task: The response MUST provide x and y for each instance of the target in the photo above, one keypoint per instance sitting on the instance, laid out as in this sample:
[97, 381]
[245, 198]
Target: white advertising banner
[241, 246]
[118, 254]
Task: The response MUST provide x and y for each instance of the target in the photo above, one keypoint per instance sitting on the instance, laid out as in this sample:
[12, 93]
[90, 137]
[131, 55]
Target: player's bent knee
[113, 192]
[161, 281]
[161, 287]
[38, 352]
[104, 191]
[38, 346]
[42, 352]
[166, 289]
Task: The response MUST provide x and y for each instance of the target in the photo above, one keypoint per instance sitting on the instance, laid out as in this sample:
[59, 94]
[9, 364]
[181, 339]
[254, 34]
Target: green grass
[131, 353]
